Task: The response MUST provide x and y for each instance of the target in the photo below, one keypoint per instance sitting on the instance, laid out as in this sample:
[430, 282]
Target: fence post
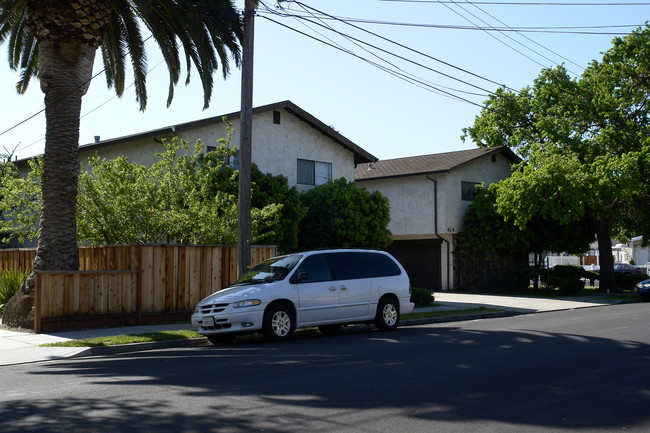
[37, 303]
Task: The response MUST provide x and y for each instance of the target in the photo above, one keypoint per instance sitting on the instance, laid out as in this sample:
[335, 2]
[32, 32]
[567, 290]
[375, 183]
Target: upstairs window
[314, 172]
[468, 190]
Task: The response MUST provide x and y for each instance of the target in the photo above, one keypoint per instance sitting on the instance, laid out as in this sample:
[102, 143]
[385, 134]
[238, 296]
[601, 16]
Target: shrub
[10, 282]
[628, 281]
[421, 297]
[343, 214]
[566, 278]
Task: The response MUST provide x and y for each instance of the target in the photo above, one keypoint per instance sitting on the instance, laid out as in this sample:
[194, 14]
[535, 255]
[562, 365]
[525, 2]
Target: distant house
[640, 252]
[286, 140]
[429, 195]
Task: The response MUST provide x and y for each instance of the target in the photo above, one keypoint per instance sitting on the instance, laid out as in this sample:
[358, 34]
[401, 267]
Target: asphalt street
[573, 370]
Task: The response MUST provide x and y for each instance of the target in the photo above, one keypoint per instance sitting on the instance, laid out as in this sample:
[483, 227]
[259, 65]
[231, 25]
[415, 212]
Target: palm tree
[56, 41]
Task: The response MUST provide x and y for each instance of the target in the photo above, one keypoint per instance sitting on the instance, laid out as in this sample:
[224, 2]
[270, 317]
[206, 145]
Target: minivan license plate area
[207, 321]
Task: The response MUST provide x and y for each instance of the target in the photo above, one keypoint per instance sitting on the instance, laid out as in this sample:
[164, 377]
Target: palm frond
[207, 31]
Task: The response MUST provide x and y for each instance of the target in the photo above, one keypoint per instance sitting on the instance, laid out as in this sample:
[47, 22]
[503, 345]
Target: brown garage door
[421, 259]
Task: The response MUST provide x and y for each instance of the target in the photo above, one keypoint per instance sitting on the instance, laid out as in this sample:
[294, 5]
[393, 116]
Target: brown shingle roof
[426, 164]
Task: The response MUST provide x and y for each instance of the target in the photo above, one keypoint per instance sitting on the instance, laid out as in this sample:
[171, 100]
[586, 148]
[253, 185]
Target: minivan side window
[313, 269]
[351, 266]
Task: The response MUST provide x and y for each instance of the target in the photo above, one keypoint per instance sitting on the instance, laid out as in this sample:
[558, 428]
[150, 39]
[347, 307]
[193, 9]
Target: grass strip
[126, 339]
[187, 334]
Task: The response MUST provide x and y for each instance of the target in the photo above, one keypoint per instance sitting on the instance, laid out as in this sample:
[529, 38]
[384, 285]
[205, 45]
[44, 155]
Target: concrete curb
[168, 344]
[138, 347]
[490, 315]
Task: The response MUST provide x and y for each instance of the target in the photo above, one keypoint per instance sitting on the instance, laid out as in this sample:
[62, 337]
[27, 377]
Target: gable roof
[360, 155]
[427, 164]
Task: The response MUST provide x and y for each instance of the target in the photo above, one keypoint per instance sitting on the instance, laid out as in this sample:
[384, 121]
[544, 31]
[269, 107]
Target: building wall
[640, 253]
[412, 206]
[275, 148]
[139, 151]
[482, 170]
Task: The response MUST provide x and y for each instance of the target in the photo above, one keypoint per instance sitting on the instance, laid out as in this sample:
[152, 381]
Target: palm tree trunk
[65, 73]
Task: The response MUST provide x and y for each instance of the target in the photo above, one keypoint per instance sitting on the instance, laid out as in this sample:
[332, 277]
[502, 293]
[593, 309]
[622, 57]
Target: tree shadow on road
[442, 374]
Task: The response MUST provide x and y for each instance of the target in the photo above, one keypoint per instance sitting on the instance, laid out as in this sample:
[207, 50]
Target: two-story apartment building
[286, 140]
[429, 195]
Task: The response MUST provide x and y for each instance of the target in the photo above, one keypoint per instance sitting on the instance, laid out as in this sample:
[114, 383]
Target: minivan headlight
[246, 303]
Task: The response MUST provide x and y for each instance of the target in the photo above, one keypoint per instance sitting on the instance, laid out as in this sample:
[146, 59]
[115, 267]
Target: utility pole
[246, 126]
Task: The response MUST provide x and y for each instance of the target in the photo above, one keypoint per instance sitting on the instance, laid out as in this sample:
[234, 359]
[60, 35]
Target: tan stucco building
[429, 195]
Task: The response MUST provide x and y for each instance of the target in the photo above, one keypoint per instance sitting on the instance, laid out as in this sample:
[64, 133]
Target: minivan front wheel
[279, 323]
[387, 316]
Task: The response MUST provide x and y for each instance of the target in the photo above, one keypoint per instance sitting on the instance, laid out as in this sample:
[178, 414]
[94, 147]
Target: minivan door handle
[343, 288]
[332, 289]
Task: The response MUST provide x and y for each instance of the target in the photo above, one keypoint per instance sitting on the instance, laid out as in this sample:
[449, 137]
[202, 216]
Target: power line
[519, 29]
[490, 34]
[525, 3]
[414, 51]
[355, 55]
[420, 82]
[524, 36]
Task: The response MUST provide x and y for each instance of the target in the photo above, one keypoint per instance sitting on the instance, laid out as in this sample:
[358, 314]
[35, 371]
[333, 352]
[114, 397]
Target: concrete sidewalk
[23, 347]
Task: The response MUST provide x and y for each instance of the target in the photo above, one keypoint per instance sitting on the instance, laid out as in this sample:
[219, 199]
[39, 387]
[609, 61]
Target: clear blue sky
[388, 99]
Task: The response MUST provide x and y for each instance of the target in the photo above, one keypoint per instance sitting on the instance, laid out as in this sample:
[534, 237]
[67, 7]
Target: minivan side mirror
[300, 276]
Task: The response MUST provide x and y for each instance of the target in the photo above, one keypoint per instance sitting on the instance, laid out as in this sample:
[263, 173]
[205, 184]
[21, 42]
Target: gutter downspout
[435, 223]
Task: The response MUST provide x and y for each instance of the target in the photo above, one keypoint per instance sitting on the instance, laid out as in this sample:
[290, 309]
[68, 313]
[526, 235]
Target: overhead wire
[410, 77]
[408, 49]
[534, 3]
[349, 52]
[347, 21]
[526, 37]
[83, 115]
[428, 85]
[494, 36]
[527, 29]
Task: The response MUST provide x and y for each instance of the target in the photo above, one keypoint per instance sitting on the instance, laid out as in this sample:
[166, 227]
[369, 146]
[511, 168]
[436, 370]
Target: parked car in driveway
[325, 288]
[626, 268]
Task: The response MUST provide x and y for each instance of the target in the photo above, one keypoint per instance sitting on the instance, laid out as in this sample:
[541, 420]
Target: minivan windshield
[270, 270]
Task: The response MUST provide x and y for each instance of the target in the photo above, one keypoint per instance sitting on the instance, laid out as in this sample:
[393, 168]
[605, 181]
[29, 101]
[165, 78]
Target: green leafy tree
[182, 198]
[20, 202]
[56, 41]
[486, 231]
[585, 145]
[186, 196]
[342, 214]
[270, 189]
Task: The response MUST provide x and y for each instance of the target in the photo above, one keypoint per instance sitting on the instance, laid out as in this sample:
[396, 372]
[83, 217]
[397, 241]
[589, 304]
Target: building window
[314, 172]
[276, 117]
[233, 161]
[468, 190]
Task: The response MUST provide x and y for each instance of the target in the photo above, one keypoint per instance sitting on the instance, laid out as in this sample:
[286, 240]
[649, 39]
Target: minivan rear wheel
[279, 323]
[387, 316]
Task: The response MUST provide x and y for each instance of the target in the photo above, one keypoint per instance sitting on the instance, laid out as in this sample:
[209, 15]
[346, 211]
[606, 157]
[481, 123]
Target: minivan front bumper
[233, 322]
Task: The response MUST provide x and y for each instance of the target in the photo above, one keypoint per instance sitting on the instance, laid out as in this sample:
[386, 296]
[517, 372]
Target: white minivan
[324, 288]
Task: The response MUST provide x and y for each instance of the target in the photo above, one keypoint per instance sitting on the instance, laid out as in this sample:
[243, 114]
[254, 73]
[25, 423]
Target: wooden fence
[124, 285]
